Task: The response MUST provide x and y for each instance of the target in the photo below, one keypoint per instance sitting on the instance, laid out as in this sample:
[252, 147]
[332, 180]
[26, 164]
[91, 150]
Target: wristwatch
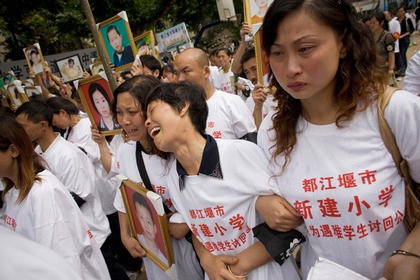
[247, 91]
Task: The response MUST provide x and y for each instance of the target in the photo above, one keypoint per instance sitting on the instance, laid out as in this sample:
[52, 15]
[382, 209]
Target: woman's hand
[134, 247]
[278, 213]
[97, 137]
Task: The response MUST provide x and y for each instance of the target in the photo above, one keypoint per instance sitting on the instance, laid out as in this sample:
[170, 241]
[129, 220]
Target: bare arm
[236, 66]
[214, 266]
[278, 213]
[400, 267]
[106, 156]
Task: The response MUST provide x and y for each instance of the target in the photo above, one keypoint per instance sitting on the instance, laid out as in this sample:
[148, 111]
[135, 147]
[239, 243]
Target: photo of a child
[147, 234]
[101, 103]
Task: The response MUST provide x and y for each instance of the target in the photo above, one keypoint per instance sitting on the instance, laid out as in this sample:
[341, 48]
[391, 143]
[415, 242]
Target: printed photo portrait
[16, 97]
[96, 96]
[145, 43]
[118, 40]
[97, 68]
[6, 80]
[258, 9]
[35, 59]
[31, 91]
[147, 224]
[70, 68]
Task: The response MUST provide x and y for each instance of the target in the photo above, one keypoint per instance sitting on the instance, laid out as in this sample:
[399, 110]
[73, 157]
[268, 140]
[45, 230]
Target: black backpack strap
[143, 172]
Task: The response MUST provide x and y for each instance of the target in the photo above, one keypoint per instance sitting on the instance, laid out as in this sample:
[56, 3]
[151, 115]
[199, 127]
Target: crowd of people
[247, 170]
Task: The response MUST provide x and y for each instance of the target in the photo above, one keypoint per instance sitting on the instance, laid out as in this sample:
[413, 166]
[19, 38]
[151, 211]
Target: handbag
[412, 190]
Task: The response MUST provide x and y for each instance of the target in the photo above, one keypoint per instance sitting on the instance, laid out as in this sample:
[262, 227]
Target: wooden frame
[33, 52]
[96, 68]
[7, 79]
[70, 73]
[96, 88]
[263, 68]
[131, 191]
[145, 44]
[31, 90]
[124, 40]
[16, 98]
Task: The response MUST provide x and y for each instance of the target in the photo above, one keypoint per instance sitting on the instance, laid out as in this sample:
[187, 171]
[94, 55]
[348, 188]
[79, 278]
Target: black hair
[380, 17]
[6, 112]
[6, 78]
[71, 60]
[140, 199]
[227, 51]
[169, 68]
[214, 52]
[60, 103]
[248, 54]
[36, 112]
[75, 94]
[152, 63]
[97, 87]
[177, 95]
[110, 28]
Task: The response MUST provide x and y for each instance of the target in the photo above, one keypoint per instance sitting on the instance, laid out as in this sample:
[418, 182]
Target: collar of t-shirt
[210, 163]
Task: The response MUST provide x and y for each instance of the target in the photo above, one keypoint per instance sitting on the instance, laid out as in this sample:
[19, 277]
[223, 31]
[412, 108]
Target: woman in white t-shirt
[327, 155]
[40, 208]
[130, 113]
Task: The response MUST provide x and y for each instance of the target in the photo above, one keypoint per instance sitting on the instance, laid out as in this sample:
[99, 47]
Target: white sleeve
[412, 75]
[241, 116]
[403, 115]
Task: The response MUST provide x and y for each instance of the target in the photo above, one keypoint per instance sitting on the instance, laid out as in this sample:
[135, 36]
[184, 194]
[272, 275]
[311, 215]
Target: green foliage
[61, 25]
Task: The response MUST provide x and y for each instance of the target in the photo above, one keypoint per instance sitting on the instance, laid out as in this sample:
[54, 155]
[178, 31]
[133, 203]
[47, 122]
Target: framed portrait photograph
[96, 96]
[27, 83]
[147, 220]
[174, 37]
[35, 59]
[7, 79]
[70, 68]
[255, 10]
[16, 98]
[96, 68]
[145, 44]
[32, 90]
[118, 39]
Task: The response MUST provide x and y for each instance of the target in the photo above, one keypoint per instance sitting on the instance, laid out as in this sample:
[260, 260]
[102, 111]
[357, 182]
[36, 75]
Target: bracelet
[401, 252]
[237, 276]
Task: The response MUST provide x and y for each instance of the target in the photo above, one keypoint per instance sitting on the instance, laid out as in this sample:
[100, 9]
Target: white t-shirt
[347, 187]
[74, 170]
[222, 82]
[412, 75]
[49, 216]
[229, 117]
[22, 258]
[81, 135]
[157, 169]
[395, 27]
[221, 212]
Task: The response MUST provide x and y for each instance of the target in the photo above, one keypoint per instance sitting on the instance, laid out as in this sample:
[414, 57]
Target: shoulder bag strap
[412, 205]
[143, 172]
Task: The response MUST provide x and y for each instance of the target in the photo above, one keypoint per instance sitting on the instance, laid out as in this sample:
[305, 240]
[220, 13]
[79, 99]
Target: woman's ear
[14, 151]
[184, 109]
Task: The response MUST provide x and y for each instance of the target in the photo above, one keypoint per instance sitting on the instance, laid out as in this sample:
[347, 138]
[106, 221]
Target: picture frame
[116, 35]
[32, 90]
[96, 96]
[261, 58]
[70, 68]
[255, 11]
[35, 59]
[27, 83]
[16, 98]
[7, 79]
[148, 205]
[97, 67]
[145, 44]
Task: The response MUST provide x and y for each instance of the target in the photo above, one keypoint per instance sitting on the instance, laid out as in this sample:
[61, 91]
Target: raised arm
[236, 66]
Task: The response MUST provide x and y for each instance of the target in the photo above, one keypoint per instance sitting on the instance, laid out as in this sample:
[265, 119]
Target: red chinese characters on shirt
[10, 221]
[202, 226]
[329, 207]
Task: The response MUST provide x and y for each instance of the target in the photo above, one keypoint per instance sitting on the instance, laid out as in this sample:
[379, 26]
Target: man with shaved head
[229, 117]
